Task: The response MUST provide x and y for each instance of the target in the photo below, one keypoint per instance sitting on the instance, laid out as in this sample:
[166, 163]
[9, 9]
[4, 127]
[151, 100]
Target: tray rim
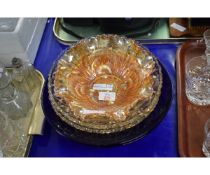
[179, 103]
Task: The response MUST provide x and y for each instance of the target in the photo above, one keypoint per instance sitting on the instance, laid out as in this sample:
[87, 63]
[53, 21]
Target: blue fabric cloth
[162, 141]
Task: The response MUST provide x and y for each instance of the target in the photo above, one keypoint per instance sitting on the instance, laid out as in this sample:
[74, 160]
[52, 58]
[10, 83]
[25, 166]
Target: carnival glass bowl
[105, 84]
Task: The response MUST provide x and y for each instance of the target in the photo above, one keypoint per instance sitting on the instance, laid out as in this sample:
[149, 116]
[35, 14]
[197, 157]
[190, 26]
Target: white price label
[101, 87]
[107, 96]
[178, 27]
[87, 111]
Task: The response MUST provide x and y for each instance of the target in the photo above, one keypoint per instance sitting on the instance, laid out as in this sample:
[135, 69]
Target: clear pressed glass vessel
[206, 143]
[15, 103]
[198, 76]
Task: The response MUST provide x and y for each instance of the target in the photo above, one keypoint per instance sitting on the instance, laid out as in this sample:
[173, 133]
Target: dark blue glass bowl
[123, 137]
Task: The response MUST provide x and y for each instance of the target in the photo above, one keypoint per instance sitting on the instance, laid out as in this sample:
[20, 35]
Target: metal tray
[32, 123]
[191, 118]
[162, 36]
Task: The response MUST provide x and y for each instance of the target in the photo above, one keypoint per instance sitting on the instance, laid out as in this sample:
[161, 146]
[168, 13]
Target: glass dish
[117, 138]
[198, 76]
[105, 84]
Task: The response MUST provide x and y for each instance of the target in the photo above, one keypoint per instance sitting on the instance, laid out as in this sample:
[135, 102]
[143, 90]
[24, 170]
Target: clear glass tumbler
[198, 81]
[198, 76]
[206, 143]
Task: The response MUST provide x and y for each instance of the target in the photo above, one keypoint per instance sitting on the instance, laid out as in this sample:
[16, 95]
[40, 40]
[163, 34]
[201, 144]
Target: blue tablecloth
[160, 142]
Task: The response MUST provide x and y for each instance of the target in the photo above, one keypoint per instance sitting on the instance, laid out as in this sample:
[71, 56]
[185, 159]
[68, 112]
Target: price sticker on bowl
[107, 96]
[101, 87]
[88, 111]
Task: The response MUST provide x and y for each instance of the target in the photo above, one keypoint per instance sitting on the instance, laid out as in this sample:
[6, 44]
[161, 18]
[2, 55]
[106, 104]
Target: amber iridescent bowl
[105, 84]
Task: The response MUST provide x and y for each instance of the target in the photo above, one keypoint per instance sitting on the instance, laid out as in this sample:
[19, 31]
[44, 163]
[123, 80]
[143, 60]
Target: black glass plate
[123, 137]
[131, 28]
